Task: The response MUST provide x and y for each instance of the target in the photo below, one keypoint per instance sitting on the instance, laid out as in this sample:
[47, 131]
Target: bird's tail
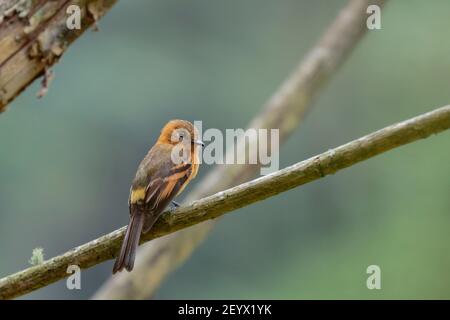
[125, 259]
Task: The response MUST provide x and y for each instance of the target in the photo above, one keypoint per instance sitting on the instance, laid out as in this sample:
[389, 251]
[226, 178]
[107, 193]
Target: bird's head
[180, 131]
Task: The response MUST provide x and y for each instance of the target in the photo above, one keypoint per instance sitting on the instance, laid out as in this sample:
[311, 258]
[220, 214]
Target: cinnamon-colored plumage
[158, 180]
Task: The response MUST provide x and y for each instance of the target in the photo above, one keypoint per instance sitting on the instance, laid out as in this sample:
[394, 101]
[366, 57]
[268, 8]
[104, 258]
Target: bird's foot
[175, 204]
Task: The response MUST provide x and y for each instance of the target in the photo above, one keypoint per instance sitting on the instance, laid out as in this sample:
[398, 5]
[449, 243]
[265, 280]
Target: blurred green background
[67, 160]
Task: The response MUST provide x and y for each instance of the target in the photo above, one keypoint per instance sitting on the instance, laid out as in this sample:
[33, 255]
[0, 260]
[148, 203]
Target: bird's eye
[181, 136]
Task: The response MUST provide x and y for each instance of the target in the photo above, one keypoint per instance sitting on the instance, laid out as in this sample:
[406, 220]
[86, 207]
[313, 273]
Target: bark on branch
[34, 35]
[211, 207]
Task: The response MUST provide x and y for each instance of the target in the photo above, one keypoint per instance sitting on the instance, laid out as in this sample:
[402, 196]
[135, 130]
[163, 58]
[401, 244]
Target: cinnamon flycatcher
[164, 172]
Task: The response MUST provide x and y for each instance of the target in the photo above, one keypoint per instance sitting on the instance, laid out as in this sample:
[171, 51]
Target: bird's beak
[199, 142]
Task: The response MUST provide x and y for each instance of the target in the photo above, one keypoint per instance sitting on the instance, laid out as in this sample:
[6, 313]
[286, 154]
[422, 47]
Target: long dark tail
[125, 259]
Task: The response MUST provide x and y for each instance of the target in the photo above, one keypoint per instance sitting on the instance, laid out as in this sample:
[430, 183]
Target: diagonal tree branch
[211, 207]
[284, 110]
[33, 36]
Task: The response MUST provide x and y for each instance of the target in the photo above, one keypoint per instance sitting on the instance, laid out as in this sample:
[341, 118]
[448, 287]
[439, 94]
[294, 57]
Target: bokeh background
[67, 160]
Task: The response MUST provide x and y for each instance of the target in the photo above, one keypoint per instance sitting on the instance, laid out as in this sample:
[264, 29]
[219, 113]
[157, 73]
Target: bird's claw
[175, 204]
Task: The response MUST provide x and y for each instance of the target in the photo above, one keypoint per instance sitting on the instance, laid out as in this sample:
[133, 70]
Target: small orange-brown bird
[164, 172]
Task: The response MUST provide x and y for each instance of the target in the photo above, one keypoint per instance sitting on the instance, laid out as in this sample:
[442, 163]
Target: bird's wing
[162, 189]
[157, 182]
